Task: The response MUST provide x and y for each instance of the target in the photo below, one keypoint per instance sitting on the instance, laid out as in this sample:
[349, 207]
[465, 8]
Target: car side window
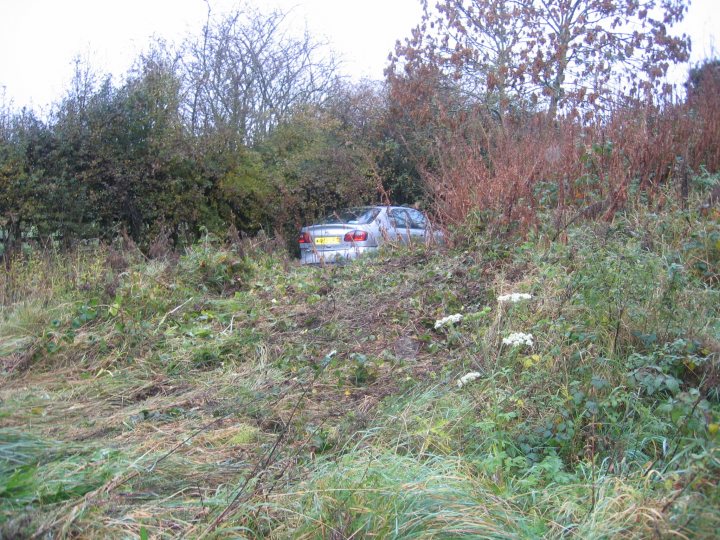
[417, 218]
[400, 218]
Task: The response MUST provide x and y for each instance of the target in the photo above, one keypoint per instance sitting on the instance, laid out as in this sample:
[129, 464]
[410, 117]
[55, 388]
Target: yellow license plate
[327, 240]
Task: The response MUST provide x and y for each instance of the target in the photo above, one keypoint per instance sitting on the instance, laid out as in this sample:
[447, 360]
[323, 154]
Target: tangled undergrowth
[504, 388]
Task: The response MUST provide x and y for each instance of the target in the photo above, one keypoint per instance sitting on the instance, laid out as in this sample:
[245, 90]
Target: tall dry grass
[514, 167]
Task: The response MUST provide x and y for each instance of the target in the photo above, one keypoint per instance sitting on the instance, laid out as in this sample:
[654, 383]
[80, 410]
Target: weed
[234, 395]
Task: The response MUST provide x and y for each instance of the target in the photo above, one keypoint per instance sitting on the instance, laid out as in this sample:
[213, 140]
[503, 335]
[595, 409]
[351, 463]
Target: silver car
[349, 233]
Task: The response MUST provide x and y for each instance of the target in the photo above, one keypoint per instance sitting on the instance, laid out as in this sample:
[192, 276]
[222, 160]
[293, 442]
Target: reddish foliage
[514, 168]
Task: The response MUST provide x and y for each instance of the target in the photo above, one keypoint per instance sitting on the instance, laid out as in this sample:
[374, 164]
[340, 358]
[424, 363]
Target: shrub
[207, 267]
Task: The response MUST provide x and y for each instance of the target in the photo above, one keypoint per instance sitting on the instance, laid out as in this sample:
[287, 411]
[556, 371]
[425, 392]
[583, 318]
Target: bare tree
[246, 72]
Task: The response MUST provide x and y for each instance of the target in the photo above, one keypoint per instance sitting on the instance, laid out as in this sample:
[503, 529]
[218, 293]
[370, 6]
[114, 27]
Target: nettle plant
[702, 252]
[668, 367]
[60, 332]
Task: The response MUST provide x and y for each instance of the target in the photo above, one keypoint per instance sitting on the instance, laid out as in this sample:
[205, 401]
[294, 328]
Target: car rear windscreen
[352, 216]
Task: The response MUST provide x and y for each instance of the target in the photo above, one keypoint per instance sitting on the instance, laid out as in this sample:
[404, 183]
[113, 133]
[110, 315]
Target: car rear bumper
[331, 256]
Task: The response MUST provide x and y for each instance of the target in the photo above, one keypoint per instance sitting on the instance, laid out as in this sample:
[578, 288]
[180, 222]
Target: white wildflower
[514, 298]
[518, 338]
[468, 378]
[448, 321]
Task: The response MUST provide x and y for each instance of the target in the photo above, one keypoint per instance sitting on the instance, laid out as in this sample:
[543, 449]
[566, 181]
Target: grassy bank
[214, 394]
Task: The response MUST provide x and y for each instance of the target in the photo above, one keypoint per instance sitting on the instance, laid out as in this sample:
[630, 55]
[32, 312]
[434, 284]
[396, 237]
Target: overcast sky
[40, 38]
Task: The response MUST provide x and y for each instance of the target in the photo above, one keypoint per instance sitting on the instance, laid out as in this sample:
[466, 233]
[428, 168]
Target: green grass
[214, 395]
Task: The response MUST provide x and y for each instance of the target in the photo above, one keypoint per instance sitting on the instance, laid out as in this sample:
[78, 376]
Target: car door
[418, 225]
[400, 223]
[409, 225]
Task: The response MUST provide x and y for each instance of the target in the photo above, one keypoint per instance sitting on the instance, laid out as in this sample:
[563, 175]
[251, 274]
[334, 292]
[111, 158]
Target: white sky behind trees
[39, 39]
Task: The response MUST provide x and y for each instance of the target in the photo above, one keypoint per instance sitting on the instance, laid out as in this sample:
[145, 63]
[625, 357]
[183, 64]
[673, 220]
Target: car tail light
[356, 236]
[305, 238]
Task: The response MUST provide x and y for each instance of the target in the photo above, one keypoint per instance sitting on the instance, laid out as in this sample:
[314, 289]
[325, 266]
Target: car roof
[385, 206]
[378, 207]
